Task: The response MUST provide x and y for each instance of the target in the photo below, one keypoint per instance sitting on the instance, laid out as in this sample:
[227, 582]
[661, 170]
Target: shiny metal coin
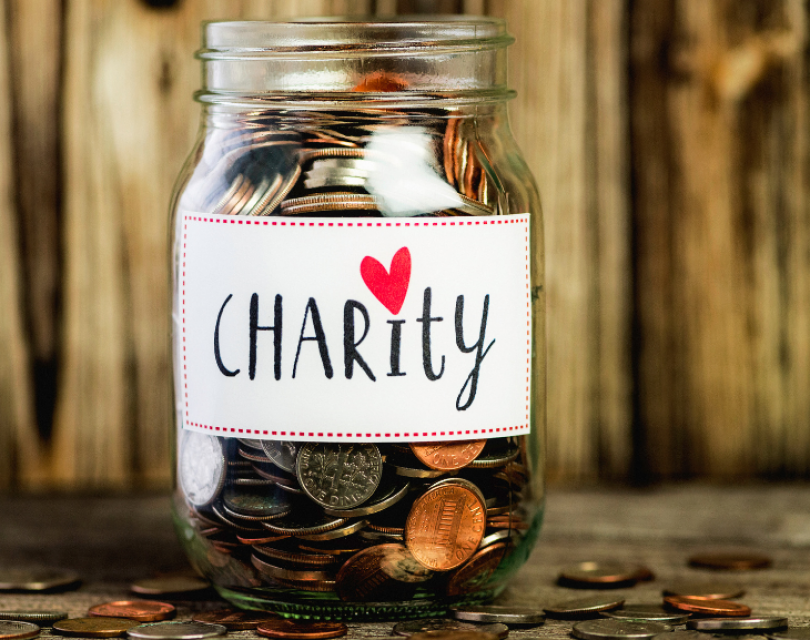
[499, 536]
[409, 472]
[15, 629]
[762, 623]
[42, 618]
[730, 561]
[274, 571]
[251, 443]
[339, 476]
[169, 584]
[334, 534]
[255, 502]
[37, 579]
[201, 467]
[96, 627]
[725, 608]
[381, 500]
[495, 613]
[604, 629]
[334, 180]
[282, 453]
[177, 630]
[298, 524]
[381, 537]
[681, 634]
[409, 627]
[647, 612]
[589, 606]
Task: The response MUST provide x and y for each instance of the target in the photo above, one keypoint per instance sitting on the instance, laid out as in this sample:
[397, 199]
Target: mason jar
[358, 320]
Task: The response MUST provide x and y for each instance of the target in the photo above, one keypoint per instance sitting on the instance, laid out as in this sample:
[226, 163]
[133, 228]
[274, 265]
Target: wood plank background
[670, 142]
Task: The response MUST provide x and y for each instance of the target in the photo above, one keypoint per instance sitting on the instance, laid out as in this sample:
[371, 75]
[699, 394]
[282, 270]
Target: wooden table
[113, 541]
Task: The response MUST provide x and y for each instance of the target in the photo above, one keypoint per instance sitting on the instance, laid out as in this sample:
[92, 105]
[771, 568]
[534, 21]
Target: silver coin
[340, 180]
[381, 536]
[177, 630]
[605, 629]
[282, 453]
[333, 534]
[495, 613]
[303, 524]
[255, 502]
[647, 612]
[409, 627]
[764, 623]
[17, 629]
[410, 472]
[498, 536]
[794, 633]
[340, 476]
[682, 634]
[37, 579]
[251, 443]
[380, 501]
[40, 617]
[201, 467]
[583, 607]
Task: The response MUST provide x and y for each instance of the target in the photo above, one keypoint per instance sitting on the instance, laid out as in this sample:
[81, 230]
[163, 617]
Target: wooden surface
[112, 542]
[670, 142]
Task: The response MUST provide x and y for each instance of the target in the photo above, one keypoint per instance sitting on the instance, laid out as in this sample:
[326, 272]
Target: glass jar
[358, 320]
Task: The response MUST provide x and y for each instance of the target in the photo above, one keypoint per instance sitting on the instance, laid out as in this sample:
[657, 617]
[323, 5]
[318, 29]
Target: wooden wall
[670, 142]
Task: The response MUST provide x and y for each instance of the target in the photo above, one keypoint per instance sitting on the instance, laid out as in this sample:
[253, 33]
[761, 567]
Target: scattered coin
[730, 561]
[602, 575]
[764, 623]
[705, 590]
[169, 585]
[708, 607]
[42, 618]
[647, 612]
[15, 629]
[496, 613]
[293, 630]
[37, 579]
[586, 607]
[410, 627]
[680, 634]
[141, 610]
[176, 630]
[607, 629]
[794, 633]
[95, 627]
[454, 635]
[235, 620]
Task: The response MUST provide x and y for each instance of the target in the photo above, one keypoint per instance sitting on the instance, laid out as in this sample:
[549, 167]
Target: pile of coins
[367, 522]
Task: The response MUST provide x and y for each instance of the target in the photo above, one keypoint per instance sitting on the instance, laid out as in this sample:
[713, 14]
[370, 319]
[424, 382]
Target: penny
[339, 475]
[606, 629]
[177, 630]
[708, 607]
[281, 453]
[169, 585]
[447, 456]
[477, 572]
[446, 524]
[496, 613]
[234, 620]
[37, 579]
[14, 629]
[600, 575]
[589, 606]
[293, 630]
[42, 618]
[97, 627]
[141, 610]
[764, 623]
[646, 612]
[379, 572]
[705, 590]
[730, 561]
[201, 467]
[409, 627]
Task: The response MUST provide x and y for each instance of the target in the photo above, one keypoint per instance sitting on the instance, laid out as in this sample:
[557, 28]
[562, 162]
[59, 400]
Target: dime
[764, 623]
[409, 627]
[256, 502]
[495, 613]
[281, 453]
[446, 524]
[344, 531]
[14, 629]
[730, 561]
[304, 524]
[293, 630]
[37, 579]
[646, 612]
[177, 630]
[447, 456]
[381, 500]
[589, 606]
[705, 590]
[234, 620]
[94, 627]
[252, 443]
[605, 629]
[201, 467]
[378, 573]
[169, 584]
[274, 571]
[495, 459]
[339, 475]
[141, 610]
[708, 607]
[601, 575]
[320, 586]
[315, 559]
[42, 618]
[409, 472]
[477, 572]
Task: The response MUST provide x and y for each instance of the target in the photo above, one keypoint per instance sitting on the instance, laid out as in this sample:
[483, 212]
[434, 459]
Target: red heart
[389, 287]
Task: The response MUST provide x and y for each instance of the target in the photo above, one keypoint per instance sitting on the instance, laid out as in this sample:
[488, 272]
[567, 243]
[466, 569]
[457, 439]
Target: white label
[360, 329]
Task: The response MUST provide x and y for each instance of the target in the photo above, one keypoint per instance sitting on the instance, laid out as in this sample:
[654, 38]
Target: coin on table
[730, 561]
[607, 629]
[447, 456]
[37, 579]
[141, 610]
[446, 524]
[762, 623]
[725, 608]
[589, 606]
[647, 612]
[16, 629]
[177, 630]
[794, 633]
[42, 617]
[292, 630]
[201, 467]
[169, 584]
[410, 627]
[339, 475]
[96, 627]
[680, 634]
[497, 613]
[602, 575]
[235, 620]
[705, 590]
[454, 635]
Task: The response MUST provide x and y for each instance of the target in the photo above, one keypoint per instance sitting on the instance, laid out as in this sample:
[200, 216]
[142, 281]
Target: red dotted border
[371, 436]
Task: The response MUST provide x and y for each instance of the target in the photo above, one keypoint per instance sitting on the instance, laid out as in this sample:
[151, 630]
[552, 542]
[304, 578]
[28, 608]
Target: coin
[705, 590]
[764, 623]
[275, 571]
[379, 572]
[606, 629]
[293, 630]
[680, 634]
[37, 579]
[342, 531]
[281, 453]
[589, 606]
[234, 620]
[96, 627]
[446, 524]
[794, 633]
[454, 635]
[201, 467]
[42, 618]
[449, 455]
[141, 610]
[646, 612]
[296, 557]
[255, 502]
[410, 472]
[169, 584]
[410, 627]
[496, 613]
[477, 572]
[381, 500]
[730, 561]
[708, 607]
[304, 524]
[339, 475]
[600, 575]
[177, 630]
[14, 629]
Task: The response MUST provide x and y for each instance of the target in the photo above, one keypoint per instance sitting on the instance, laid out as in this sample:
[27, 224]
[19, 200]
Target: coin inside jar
[177, 630]
[449, 455]
[379, 572]
[339, 475]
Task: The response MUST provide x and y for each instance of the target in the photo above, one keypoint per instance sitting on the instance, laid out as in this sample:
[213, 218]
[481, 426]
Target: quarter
[589, 606]
[606, 629]
[495, 613]
[16, 629]
[765, 623]
[177, 630]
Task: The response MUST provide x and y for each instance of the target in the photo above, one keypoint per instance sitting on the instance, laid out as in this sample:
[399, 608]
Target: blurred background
[671, 145]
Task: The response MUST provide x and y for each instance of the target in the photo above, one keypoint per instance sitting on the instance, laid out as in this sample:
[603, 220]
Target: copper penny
[97, 627]
[141, 610]
[169, 584]
[602, 575]
[292, 630]
[234, 620]
[724, 608]
[447, 456]
[475, 574]
[705, 590]
[384, 571]
[730, 561]
[446, 524]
